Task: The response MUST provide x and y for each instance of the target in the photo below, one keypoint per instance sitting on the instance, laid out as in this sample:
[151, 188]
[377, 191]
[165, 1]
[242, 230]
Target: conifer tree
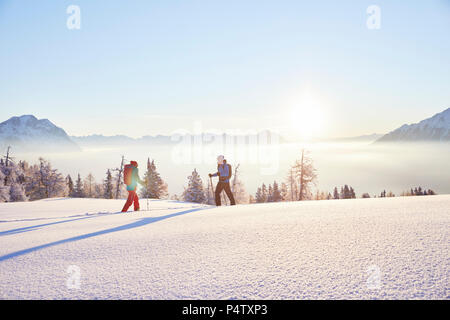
[108, 186]
[154, 186]
[78, 191]
[4, 190]
[336, 193]
[284, 191]
[69, 182]
[276, 194]
[270, 194]
[259, 198]
[194, 192]
[264, 193]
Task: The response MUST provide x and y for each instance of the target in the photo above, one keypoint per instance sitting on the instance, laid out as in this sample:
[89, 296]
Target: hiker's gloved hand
[210, 175]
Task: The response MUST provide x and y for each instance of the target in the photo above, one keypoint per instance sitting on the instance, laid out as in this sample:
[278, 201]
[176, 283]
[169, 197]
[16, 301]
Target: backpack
[229, 169]
[128, 174]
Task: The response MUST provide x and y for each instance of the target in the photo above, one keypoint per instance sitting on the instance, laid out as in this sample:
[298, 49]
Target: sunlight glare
[307, 117]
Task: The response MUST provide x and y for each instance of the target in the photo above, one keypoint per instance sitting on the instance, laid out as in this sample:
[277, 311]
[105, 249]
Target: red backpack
[128, 174]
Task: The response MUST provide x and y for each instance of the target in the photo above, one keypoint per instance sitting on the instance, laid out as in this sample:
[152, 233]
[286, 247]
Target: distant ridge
[436, 128]
[117, 140]
[364, 138]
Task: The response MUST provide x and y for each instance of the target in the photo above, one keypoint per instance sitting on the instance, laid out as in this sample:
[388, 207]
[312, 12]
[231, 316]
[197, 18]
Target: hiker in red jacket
[131, 179]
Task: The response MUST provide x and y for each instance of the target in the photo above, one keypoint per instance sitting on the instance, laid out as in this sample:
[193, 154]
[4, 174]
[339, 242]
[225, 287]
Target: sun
[307, 118]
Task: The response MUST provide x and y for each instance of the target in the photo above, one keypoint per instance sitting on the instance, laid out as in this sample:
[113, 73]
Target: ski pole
[212, 187]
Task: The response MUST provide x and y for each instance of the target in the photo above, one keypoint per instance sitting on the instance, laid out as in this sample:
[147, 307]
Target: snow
[385, 248]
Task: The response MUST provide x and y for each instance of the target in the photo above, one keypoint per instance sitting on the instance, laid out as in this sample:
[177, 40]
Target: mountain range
[436, 128]
[95, 140]
[27, 133]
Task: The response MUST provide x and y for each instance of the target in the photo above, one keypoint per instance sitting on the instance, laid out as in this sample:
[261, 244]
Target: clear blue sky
[147, 67]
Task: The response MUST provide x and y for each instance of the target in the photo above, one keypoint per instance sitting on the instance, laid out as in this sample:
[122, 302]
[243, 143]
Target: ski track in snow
[391, 248]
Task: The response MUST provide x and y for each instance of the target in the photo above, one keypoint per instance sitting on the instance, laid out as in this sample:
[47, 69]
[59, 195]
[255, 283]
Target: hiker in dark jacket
[224, 172]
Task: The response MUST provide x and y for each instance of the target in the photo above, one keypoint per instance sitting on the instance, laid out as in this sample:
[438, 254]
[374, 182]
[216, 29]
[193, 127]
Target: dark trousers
[132, 198]
[226, 187]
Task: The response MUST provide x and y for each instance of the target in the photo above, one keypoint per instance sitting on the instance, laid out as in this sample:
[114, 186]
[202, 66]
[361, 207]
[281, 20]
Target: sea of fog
[367, 167]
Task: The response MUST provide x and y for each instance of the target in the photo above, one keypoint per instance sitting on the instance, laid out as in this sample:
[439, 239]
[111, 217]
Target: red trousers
[132, 197]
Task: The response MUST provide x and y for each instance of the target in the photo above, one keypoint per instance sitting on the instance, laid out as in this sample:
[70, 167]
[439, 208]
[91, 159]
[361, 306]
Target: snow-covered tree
[78, 191]
[276, 194]
[270, 194]
[238, 188]
[322, 195]
[4, 190]
[335, 193]
[259, 198]
[17, 193]
[347, 192]
[154, 186]
[108, 187]
[264, 192]
[284, 193]
[45, 182]
[69, 182]
[194, 192]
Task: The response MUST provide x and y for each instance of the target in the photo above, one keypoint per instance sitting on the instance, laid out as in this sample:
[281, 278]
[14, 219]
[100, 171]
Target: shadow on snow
[31, 228]
[140, 223]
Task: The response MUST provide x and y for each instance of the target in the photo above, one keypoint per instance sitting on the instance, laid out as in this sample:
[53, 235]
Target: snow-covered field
[391, 248]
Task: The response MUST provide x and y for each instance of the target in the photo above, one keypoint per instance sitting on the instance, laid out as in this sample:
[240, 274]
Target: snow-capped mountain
[27, 133]
[436, 128]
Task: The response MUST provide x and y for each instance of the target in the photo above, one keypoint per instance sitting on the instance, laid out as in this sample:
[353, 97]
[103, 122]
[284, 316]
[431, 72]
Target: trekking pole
[212, 187]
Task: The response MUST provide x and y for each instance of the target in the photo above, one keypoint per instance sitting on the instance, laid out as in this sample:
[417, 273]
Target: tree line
[21, 181]
[302, 177]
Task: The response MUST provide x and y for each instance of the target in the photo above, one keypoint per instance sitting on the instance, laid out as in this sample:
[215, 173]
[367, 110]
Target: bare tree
[305, 172]
[119, 177]
[7, 157]
[8, 160]
[292, 185]
[89, 186]
[238, 188]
